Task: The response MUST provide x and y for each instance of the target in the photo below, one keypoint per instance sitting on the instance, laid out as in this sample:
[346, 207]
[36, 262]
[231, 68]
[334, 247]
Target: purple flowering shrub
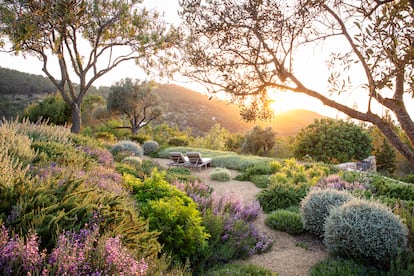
[82, 253]
[334, 181]
[104, 178]
[18, 255]
[100, 155]
[229, 222]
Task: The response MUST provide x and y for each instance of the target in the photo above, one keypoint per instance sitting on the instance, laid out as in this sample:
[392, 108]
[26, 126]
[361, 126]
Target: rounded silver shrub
[150, 147]
[127, 147]
[315, 208]
[365, 230]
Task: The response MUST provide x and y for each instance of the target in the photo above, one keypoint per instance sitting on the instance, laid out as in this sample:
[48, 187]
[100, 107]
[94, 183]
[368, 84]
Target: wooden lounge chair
[177, 159]
[196, 161]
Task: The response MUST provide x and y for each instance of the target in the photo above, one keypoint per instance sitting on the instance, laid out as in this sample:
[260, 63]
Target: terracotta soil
[289, 256]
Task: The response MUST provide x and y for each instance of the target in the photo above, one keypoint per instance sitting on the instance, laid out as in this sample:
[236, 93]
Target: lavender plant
[229, 222]
[102, 156]
[334, 181]
[76, 253]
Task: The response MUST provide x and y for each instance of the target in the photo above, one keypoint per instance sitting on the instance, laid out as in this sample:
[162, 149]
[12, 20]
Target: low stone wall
[367, 165]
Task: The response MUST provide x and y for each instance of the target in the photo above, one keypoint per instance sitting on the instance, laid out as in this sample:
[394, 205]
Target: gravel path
[289, 256]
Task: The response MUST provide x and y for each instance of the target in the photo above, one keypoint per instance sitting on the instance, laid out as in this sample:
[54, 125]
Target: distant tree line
[14, 82]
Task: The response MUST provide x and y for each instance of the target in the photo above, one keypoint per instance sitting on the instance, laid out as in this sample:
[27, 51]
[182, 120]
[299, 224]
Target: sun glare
[284, 101]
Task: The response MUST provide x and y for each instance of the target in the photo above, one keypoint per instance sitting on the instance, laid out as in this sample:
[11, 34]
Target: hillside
[186, 108]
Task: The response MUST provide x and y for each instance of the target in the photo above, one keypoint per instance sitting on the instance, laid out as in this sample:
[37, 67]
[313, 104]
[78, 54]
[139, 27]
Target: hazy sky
[312, 71]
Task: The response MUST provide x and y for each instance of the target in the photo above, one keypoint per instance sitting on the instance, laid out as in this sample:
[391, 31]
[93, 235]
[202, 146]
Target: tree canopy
[137, 101]
[333, 141]
[248, 49]
[85, 39]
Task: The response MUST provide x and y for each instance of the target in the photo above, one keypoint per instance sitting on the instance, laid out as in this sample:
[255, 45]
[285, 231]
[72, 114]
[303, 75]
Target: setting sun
[283, 101]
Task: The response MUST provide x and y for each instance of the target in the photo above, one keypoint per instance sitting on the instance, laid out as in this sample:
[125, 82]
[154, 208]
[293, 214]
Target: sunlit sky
[312, 72]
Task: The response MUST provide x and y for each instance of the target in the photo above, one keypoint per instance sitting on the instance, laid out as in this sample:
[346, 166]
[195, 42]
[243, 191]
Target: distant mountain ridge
[186, 108]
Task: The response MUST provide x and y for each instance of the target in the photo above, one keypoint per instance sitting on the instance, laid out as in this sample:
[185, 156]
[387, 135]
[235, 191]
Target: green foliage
[406, 211]
[392, 188]
[259, 141]
[133, 161]
[180, 224]
[107, 136]
[237, 162]
[180, 174]
[178, 141]
[174, 214]
[41, 131]
[15, 82]
[234, 142]
[334, 266]
[16, 144]
[139, 138]
[261, 181]
[220, 174]
[214, 139]
[123, 149]
[239, 269]
[62, 154]
[409, 178]
[65, 194]
[333, 141]
[53, 109]
[317, 205]
[286, 221]
[366, 231]
[12, 172]
[385, 158]
[256, 169]
[150, 147]
[52, 205]
[281, 195]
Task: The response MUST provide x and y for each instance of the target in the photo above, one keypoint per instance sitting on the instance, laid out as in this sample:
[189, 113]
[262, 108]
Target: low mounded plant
[392, 188]
[317, 205]
[286, 221]
[134, 161]
[150, 147]
[261, 181]
[365, 231]
[126, 148]
[239, 269]
[334, 266]
[282, 195]
[220, 174]
[172, 213]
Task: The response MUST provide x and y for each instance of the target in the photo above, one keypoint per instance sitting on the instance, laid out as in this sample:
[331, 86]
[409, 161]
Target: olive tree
[136, 101]
[259, 141]
[248, 49]
[84, 39]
